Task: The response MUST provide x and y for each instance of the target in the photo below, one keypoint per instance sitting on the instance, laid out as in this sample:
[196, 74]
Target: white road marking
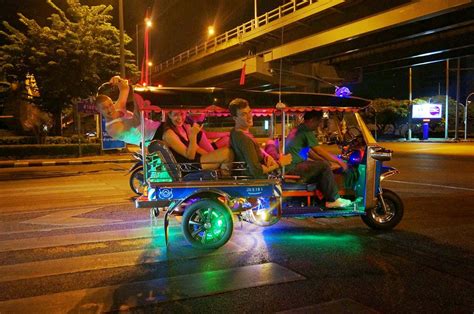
[104, 261]
[431, 185]
[80, 238]
[138, 294]
[41, 230]
[68, 218]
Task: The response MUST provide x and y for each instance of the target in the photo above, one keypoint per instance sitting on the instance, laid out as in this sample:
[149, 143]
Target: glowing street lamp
[211, 31]
[148, 23]
[149, 71]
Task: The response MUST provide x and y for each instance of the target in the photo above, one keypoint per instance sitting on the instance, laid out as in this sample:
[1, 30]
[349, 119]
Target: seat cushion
[301, 186]
[205, 175]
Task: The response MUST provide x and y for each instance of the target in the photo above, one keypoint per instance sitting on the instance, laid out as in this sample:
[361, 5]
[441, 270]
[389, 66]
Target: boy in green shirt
[302, 142]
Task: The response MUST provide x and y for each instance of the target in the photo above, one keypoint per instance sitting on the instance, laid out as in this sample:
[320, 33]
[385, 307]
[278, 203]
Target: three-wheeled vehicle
[209, 203]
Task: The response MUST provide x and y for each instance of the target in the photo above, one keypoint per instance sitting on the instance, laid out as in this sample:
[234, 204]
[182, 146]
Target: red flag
[242, 75]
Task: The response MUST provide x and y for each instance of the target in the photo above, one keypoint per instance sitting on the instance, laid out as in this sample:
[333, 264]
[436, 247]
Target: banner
[86, 105]
[242, 75]
[107, 141]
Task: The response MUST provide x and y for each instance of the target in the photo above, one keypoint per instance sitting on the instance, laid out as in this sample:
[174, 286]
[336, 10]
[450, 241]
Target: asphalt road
[71, 240]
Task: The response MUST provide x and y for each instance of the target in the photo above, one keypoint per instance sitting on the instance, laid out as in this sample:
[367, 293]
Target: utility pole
[410, 105]
[458, 83]
[447, 101]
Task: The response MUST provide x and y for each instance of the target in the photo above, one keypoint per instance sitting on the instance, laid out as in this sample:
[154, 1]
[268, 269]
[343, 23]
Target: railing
[236, 33]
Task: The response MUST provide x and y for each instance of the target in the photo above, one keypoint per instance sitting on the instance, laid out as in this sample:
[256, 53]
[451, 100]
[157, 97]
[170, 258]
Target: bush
[45, 150]
[19, 140]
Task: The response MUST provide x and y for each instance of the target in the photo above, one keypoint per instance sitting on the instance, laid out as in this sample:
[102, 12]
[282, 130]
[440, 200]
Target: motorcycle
[137, 179]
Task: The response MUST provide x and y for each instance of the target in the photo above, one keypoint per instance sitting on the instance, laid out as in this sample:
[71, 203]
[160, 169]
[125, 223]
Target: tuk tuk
[209, 202]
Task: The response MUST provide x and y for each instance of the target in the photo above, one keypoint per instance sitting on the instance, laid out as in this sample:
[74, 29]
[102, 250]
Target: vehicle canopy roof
[215, 100]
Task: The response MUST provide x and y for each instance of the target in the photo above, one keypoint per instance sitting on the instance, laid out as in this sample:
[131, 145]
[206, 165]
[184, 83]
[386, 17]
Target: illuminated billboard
[427, 111]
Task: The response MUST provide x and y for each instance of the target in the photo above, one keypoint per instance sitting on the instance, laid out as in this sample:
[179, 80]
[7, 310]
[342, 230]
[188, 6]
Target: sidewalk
[126, 157]
[106, 158]
[429, 140]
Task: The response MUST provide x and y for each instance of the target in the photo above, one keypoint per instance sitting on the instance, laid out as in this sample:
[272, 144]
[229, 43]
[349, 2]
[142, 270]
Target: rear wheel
[137, 181]
[381, 218]
[207, 224]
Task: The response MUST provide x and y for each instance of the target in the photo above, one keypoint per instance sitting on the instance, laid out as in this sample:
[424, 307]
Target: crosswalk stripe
[110, 298]
[104, 261]
[80, 238]
[59, 190]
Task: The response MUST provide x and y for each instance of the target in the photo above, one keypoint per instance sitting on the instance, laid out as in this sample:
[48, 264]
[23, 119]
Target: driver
[302, 142]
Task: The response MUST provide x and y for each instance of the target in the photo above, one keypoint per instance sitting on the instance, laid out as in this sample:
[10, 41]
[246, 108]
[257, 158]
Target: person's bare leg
[221, 157]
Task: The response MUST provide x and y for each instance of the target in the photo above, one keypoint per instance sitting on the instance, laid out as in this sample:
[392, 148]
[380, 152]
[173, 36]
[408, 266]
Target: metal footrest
[144, 202]
[320, 212]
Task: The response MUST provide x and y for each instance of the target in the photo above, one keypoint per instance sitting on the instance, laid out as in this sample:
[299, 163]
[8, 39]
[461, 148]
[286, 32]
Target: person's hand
[194, 130]
[121, 83]
[343, 165]
[270, 162]
[285, 160]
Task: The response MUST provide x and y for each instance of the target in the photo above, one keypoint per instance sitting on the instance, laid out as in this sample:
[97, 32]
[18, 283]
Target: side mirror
[381, 154]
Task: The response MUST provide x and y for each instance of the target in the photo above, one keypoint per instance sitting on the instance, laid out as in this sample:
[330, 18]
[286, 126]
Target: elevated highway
[304, 43]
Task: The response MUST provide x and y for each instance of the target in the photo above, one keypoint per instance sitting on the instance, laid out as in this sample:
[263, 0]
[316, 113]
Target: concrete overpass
[305, 42]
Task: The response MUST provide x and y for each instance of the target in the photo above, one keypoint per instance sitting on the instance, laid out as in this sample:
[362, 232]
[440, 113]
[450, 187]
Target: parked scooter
[137, 179]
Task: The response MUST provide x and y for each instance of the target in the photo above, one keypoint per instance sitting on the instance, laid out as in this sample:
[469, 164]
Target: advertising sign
[107, 141]
[87, 105]
[427, 111]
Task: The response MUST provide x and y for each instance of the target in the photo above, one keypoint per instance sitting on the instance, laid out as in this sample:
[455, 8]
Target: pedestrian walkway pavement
[106, 158]
[127, 157]
[429, 140]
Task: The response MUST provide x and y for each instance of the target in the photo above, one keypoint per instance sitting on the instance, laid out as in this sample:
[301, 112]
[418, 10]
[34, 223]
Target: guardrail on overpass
[238, 32]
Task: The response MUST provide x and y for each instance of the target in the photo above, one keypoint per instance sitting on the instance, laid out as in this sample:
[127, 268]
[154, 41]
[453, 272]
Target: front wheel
[381, 218]
[137, 181]
[207, 224]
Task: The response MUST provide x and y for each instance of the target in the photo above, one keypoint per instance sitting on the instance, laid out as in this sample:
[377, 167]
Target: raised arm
[121, 103]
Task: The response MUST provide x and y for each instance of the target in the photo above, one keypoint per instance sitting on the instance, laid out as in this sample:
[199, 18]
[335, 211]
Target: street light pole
[447, 101]
[255, 13]
[465, 115]
[136, 39]
[122, 44]
[410, 105]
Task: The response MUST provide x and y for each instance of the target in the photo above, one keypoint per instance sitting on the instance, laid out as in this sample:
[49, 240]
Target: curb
[21, 164]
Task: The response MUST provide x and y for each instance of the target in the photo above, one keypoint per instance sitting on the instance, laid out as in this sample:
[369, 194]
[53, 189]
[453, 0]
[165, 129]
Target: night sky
[180, 24]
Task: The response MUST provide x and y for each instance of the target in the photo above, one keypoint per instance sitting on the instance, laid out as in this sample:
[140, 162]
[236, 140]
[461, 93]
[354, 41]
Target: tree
[388, 112]
[70, 58]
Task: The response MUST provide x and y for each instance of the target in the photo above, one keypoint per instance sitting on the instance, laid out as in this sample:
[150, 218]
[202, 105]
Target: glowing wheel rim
[207, 225]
